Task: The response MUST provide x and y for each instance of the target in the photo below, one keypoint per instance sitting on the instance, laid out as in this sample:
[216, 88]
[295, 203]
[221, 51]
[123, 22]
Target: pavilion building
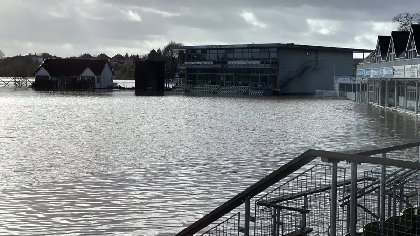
[284, 68]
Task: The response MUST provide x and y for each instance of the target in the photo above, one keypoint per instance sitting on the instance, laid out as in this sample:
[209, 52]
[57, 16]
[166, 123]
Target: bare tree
[1, 54]
[405, 20]
[171, 57]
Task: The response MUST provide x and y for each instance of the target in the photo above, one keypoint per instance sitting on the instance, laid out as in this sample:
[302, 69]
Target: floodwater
[84, 163]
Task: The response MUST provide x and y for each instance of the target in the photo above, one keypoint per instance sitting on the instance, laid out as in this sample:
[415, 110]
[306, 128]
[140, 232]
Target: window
[411, 95]
[98, 80]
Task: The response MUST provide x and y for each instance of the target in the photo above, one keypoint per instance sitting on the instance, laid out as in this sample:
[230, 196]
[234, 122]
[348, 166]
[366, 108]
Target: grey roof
[415, 31]
[383, 45]
[400, 39]
[72, 67]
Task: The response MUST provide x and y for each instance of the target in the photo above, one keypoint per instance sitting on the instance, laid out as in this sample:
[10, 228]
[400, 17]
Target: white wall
[42, 72]
[87, 72]
[106, 77]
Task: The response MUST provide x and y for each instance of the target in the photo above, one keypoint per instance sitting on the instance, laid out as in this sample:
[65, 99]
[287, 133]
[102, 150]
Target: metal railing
[302, 70]
[327, 199]
[228, 227]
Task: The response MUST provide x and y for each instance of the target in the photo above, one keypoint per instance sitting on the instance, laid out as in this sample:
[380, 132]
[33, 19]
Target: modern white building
[74, 74]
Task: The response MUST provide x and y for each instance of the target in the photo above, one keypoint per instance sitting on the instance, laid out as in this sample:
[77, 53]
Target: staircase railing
[303, 69]
[354, 158]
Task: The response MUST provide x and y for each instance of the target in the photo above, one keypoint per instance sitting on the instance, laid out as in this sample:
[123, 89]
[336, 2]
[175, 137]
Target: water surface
[89, 163]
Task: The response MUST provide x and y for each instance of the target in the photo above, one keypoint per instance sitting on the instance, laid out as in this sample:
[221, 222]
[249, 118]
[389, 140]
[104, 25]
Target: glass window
[265, 55]
[411, 95]
[255, 55]
[212, 56]
[237, 56]
[230, 56]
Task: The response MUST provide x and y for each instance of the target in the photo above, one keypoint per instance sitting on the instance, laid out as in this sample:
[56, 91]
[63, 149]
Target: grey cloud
[100, 25]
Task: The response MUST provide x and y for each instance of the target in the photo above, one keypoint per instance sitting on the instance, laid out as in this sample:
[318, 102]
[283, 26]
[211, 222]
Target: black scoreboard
[150, 78]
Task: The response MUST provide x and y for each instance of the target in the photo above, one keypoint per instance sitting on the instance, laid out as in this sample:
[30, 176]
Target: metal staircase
[301, 71]
[330, 197]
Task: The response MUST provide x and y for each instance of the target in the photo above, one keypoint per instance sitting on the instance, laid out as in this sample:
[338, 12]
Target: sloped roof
[383, 44]
[72, 67]
[400, 39]
[416, 34]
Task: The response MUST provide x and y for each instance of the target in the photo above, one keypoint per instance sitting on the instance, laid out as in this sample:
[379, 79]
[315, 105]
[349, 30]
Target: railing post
[380, 93]
[405, 96]
[353, 200]
[417, 97]
[386, 94]
[333, 206]
[239, 223]
[278, 224]
[418, 184]
[395, 94]
[247, 215]
[305, 206]
[382, 198]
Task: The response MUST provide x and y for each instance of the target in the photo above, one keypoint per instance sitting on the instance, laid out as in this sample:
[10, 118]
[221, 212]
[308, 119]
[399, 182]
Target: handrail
[251, 191]
[320, 189]
[298, 72]
[370, 188]
[292, 166]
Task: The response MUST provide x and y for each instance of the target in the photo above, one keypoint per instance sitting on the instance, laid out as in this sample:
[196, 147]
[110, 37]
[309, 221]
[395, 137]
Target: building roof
[73, 67]
[383, 44]
[272, 45]
[400, 39]
[415, 31]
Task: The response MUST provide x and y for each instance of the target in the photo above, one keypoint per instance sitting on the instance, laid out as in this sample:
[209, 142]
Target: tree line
[17, 66]
[124, 67]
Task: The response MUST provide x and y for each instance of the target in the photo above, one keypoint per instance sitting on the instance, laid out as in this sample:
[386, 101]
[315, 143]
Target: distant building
[74, 74]
[288, 68]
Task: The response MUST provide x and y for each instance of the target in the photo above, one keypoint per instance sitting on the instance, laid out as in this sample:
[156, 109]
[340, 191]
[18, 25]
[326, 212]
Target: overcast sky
[73, 27]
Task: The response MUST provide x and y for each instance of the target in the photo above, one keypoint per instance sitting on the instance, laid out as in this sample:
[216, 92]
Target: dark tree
[153, 56]
[405, 20]
[86, 56]
[46, 55]
[159, 52]
[21, 66]
[171, 58]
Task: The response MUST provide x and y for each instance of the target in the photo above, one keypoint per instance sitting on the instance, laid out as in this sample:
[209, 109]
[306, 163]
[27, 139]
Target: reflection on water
[96, 163]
